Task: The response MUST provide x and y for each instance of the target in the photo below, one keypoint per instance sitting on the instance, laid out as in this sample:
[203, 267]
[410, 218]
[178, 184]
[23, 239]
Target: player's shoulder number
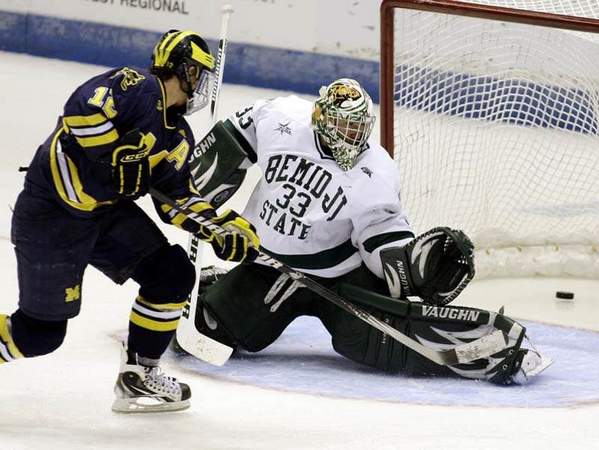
[244, 118]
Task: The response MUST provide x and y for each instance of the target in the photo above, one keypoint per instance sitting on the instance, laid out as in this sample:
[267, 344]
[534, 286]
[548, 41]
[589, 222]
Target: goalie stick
[463, 353]
[193, 244]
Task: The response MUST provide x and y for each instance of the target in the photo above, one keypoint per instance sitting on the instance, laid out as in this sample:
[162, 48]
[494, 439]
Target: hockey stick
[193, 247]
[186, 332]
[227, 10]
[463, 353]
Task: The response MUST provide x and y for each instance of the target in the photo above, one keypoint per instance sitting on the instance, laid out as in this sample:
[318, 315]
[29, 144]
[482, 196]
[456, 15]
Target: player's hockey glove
[239, 243]
[130, 165]
[436, 266]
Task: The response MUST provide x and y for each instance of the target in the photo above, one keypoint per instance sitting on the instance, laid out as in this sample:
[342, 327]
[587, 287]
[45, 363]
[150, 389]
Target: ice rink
[62, 401]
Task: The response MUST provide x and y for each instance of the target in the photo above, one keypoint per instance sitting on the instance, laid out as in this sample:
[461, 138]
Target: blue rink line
[302, 360]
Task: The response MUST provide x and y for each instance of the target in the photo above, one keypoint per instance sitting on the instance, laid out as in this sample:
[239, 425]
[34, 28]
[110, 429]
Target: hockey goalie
[328, 205]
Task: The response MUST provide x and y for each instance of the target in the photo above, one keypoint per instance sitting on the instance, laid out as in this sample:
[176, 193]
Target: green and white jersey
[308, 212]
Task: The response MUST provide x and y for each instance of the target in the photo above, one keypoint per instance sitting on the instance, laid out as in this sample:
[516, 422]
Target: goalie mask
[343, 117]
[187, 56]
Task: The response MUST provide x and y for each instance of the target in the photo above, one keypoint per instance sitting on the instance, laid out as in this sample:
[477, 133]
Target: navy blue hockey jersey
[74, 162]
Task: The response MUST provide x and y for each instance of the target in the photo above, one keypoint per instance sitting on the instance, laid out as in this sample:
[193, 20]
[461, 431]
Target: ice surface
[302, 360]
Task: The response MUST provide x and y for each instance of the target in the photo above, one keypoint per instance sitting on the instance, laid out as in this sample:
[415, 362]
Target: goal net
[491, 112]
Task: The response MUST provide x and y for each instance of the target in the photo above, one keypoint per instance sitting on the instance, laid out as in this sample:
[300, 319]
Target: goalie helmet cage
[490, 110]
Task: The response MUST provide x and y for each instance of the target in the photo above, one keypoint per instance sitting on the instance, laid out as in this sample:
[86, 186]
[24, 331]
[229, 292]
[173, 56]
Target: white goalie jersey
[308, 212]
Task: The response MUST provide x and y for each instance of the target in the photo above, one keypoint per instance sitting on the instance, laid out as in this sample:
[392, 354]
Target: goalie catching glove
[436, 266]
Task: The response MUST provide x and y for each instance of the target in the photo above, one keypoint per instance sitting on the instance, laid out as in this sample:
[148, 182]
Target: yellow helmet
[185, 55]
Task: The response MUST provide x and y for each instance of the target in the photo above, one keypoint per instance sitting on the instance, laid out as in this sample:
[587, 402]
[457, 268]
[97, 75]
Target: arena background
[295, 45]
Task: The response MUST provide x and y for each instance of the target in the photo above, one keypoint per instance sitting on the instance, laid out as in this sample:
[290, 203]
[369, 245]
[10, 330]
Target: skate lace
[157, 381]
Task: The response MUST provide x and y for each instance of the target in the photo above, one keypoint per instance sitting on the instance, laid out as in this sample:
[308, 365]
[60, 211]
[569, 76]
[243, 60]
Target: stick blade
[481, 348]
[200, 345]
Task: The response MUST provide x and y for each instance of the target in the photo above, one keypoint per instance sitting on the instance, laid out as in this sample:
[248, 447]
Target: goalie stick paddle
[463, 353]
[185, 332]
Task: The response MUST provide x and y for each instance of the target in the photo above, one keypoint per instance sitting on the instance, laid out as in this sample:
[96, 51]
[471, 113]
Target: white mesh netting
[496, 129]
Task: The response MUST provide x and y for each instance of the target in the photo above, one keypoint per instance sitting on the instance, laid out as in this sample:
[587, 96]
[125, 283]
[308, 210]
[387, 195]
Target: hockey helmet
[186, 55]
[343, 117]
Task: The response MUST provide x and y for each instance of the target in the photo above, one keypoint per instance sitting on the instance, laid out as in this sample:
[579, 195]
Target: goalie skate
[144, 388]
[519, 366]
[531, 364]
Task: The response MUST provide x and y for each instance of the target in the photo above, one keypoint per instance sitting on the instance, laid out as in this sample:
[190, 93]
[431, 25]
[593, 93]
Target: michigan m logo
[72, 294]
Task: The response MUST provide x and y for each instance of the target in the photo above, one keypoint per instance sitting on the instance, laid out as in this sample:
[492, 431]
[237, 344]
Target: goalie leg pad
[366, 345]
[436, 327]
[357, 340]
[441, 328]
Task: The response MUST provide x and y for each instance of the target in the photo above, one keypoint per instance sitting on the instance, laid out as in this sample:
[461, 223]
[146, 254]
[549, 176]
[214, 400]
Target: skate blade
[545, 363]
[141, 405]
[525, 377]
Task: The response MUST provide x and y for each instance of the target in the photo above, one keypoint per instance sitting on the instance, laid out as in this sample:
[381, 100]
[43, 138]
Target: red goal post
[501, 148]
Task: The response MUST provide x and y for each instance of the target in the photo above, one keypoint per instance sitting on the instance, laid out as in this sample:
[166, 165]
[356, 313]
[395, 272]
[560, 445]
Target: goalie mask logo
[341, 93]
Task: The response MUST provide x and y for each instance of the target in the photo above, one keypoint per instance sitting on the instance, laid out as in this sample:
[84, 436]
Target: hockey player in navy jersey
[120, 133]
[328, 205]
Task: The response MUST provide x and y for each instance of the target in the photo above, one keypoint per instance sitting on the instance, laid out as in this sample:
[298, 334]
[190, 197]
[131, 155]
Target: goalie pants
[252, 305]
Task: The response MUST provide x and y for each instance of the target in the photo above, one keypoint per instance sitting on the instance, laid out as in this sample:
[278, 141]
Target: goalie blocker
[250, 306]
[218, 165]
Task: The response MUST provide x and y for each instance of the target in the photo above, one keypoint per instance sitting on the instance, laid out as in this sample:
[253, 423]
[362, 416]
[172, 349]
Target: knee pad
[36, 337]
[165, 276]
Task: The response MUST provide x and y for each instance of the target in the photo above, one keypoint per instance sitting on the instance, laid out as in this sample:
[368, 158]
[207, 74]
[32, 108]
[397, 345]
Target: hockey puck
[563, 295]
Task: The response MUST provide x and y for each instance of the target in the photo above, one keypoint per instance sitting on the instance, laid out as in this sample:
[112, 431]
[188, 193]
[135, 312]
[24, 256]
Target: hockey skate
[144, 388]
